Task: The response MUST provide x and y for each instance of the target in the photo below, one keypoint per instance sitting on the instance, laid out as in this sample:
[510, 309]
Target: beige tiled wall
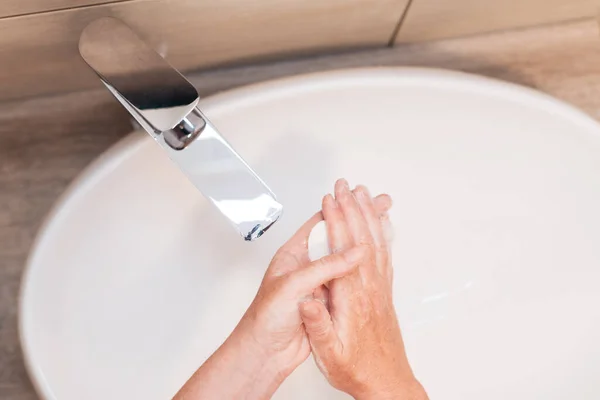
[11, 8]
[435, 19]
[38, 38]
[39, 53]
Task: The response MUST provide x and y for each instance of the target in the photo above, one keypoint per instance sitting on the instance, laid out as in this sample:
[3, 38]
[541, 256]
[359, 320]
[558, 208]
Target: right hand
[357, 343]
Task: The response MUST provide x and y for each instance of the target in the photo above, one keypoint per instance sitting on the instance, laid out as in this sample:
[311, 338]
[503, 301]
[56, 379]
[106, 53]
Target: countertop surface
[46, 142]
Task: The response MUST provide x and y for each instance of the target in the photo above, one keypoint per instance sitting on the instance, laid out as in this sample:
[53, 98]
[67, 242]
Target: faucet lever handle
[156, 94]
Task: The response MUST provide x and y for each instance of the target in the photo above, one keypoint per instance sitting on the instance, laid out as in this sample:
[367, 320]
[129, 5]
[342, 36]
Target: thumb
[323, 270]
[318, 326]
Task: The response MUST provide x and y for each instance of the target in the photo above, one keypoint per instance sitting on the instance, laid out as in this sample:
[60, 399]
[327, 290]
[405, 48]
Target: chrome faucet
[165, 104]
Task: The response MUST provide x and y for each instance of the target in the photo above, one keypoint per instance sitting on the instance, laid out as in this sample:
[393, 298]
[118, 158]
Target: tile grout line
[399, 24]
[27, 14]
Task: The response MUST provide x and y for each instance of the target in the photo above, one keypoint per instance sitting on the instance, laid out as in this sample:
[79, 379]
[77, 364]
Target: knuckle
[286, 284]
[331, 260]
[320, 330]
[337, 248]
[322, 262]
[366, 240]
[281, 256]
[364, 307]
[370, 251]
[382, 253]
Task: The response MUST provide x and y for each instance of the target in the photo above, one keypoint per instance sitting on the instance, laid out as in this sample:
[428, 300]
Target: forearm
[236, 370]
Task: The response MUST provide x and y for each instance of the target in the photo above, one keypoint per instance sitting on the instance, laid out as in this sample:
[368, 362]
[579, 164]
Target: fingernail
[345, 184]
[390, 201]
[309, 310]
[354, 255]
[306, 299]
[364, 189]
[362, 192]
[383, 202]
[342, 184]
[330, 201]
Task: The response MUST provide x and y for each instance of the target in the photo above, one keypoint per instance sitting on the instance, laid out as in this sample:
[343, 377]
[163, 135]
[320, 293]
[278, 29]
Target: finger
[297, 245]
[319, 328]
[357, 225]
[322, 295]
[332, 212]
[338, 234]
[317, 273]
[386, 225]
[367, 207]
[388, 232]
[299, 241]
[383, 203]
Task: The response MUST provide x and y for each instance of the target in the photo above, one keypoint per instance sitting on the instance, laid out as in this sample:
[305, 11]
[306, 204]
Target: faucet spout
[165, 104]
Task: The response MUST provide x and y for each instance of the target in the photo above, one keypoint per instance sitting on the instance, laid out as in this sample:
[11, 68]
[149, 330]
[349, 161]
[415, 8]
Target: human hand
[270, 342]
[273, 319]
[357, 343]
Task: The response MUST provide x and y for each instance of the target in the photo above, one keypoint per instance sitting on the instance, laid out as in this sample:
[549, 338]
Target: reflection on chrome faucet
[164, 103]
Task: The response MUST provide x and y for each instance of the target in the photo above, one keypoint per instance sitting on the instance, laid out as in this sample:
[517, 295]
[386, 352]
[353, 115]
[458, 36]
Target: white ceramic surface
[134, 280]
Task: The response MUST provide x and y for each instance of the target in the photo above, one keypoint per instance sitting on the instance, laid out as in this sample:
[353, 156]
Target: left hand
[357, 343]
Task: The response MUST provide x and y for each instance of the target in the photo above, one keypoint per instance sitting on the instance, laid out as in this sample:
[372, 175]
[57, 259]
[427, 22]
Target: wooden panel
[435, 19]
[19, 7]
[39, 52]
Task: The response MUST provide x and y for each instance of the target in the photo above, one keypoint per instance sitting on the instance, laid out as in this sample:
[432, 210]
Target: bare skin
[357, 343]
[270, 340]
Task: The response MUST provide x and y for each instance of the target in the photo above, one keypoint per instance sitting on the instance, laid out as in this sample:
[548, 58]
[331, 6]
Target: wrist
[281, 358]
[252, 364]
[238, 369]
[409, 389]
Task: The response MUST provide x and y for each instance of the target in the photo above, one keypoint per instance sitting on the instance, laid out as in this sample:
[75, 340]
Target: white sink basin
[134, 280]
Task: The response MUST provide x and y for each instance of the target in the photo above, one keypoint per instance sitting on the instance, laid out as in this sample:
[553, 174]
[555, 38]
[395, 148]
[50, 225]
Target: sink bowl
[134, 280]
